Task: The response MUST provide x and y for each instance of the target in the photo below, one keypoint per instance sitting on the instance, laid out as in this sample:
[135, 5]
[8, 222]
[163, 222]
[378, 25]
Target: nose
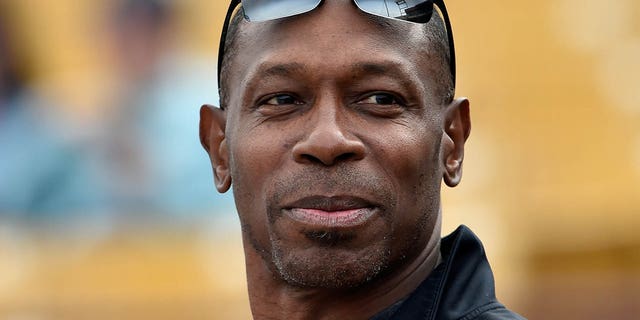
[328, 143]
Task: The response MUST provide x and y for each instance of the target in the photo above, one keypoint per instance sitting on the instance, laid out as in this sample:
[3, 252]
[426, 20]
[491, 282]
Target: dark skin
[336, 143]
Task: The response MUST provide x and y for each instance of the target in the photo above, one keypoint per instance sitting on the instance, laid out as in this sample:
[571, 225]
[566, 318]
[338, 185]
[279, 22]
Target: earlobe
[457, 128]
[212, 136]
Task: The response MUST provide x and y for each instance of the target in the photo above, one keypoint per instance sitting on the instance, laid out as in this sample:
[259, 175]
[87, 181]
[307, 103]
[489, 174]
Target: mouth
[331, 212]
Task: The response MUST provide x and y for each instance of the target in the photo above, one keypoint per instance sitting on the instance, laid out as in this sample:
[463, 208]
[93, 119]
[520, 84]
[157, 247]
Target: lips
[331, 212]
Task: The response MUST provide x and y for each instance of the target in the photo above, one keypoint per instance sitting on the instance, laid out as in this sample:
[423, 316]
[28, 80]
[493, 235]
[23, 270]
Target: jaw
[270, 296]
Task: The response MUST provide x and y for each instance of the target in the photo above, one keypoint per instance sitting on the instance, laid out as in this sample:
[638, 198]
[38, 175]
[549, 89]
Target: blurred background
[107, 206]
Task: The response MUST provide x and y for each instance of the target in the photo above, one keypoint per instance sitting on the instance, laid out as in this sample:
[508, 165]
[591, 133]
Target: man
[337, 125]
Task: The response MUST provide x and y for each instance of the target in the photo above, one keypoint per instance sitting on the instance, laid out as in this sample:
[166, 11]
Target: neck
[272, 298]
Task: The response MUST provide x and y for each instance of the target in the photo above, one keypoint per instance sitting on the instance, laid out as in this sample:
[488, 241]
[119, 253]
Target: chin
[331, 266]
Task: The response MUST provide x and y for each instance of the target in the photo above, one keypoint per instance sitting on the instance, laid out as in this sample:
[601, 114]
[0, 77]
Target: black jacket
[460, 288]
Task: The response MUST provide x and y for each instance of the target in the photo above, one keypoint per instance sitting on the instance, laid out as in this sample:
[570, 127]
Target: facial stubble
[333, 258]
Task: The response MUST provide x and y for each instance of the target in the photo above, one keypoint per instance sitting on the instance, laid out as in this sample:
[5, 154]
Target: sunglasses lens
[410, 10]
[263, 10]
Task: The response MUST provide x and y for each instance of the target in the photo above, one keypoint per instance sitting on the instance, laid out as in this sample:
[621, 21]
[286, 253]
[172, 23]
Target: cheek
[250, 161]
[254, 159]
[410, 156]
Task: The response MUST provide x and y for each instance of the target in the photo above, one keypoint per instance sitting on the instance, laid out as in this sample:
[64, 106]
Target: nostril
[346, 157]
[310, 159]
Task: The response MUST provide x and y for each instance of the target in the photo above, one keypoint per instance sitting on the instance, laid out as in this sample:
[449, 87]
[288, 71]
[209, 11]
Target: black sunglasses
[418, 11]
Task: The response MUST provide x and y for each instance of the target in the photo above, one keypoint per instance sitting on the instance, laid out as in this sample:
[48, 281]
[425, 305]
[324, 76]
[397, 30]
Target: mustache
[338, 181]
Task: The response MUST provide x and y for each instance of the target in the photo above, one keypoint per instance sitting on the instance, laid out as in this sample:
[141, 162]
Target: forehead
[331, 16]
[328, 25]
[335, 35]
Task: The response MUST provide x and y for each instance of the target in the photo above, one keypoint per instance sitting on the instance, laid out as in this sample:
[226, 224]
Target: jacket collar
[467, 284]
[461, 286]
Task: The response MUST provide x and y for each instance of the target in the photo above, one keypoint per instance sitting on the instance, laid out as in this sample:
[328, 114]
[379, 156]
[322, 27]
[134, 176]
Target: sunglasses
[416, 11]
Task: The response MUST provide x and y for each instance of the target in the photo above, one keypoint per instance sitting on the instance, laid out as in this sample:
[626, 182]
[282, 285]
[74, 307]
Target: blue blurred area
[41, 174]
[142, 156]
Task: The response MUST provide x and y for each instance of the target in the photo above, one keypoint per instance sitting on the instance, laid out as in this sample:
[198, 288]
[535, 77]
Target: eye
[381, 99]
[282, 99]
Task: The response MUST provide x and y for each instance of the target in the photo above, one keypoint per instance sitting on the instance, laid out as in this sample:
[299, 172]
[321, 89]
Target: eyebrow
[284, 69]
[375, 68]
[384, 68]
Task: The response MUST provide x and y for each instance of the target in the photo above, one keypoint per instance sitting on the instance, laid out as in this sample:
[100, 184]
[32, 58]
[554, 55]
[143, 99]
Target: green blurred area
[551, 185]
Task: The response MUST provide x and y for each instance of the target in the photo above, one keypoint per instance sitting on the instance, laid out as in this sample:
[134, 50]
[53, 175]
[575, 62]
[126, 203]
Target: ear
[457, 128]
[213, 122]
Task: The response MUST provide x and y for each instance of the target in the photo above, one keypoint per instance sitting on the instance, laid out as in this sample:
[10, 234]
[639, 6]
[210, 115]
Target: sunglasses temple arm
[452, 50]
[223, 36]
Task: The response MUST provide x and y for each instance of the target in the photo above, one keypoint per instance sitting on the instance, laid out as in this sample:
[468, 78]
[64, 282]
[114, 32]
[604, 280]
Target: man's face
[334, 143]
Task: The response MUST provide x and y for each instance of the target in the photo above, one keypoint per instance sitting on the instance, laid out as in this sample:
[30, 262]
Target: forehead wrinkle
[357, 69]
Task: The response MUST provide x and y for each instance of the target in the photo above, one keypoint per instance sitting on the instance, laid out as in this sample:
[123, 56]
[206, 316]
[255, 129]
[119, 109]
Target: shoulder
[493, 311]
[468, 291]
